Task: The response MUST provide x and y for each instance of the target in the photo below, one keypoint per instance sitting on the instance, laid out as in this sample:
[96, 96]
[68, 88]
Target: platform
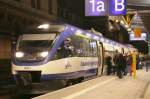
[106, 87]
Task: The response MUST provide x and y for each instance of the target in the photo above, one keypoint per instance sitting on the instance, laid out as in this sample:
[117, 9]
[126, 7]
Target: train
[62, 53]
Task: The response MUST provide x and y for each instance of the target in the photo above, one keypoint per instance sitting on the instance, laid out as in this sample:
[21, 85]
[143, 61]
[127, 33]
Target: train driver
[66, 48]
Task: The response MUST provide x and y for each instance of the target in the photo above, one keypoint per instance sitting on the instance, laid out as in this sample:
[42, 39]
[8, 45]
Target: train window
[81, 46]
[78, 47]
[84, 47]
[108, 53]
[93, 48]
[66, 49]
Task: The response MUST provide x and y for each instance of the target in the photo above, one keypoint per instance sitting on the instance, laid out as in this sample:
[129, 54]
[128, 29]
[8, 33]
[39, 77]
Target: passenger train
[61, 52]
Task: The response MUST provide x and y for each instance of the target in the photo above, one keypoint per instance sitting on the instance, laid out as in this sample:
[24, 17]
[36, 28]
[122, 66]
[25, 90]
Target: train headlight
[44, 54]
[19, 54]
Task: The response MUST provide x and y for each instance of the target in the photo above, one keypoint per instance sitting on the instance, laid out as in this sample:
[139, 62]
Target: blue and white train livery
[60, 52]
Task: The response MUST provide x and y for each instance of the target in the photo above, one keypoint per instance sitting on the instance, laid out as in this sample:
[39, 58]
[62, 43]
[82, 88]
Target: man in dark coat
[119, 62]
[66, 49]
[109, 64]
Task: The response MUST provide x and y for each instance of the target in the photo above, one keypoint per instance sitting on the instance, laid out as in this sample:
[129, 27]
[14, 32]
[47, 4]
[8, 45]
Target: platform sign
[101, 7]
[96, 7]
[142, 38]
[137, 32]
[117, 7]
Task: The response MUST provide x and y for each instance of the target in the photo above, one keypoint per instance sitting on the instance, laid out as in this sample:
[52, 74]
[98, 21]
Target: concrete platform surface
[106, 87]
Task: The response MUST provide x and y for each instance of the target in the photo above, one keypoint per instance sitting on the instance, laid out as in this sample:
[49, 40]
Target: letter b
[119, 6]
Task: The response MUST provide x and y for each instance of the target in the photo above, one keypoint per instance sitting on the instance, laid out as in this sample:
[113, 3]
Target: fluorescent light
[72, 28]
[126, 26]
[121, 22]
[117, 21]
[79, 31]
[88, 35]
[111, 27]
[43, 26]
[129, 29]
[96, 37]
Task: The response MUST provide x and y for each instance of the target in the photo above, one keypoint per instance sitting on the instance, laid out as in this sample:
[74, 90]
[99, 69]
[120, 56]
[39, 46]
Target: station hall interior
[16, 15]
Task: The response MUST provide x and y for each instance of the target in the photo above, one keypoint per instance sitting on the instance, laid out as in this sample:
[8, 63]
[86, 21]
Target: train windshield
[34, 47]
[39, 45]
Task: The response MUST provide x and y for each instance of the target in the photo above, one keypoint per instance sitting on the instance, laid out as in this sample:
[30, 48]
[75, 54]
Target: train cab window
[65, 49]
[81, 46]
[76, 46]
[84, 47]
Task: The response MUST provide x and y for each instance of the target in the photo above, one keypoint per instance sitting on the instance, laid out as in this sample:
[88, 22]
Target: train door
[100, 62]
[93, 56]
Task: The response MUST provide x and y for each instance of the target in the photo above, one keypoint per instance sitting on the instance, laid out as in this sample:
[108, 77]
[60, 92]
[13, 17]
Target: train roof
[90, 34]
[60, 27]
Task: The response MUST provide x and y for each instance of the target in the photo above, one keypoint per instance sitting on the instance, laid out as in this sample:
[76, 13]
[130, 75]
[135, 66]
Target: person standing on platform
[137, 61]
[118, 61]
[134, 63]
[109, 64]
[129, 63]
[147, 63]
[123, 61]
[124, 64]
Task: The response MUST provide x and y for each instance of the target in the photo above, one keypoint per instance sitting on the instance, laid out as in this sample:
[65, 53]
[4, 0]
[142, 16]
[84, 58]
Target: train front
[30, 58]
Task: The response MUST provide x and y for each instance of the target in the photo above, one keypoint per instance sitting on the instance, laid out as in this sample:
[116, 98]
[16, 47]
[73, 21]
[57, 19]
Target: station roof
[143, 8]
